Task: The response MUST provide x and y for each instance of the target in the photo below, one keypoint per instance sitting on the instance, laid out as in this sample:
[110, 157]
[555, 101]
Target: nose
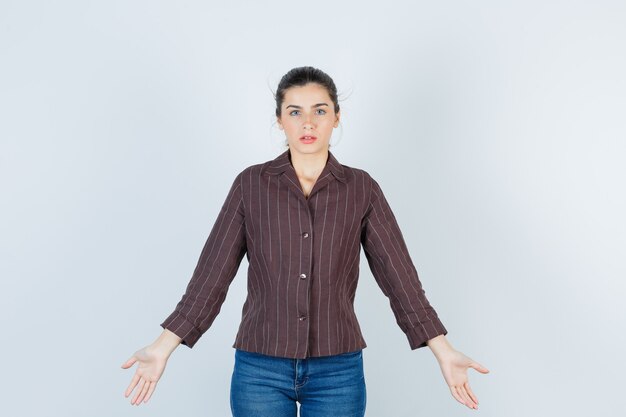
[308, 124]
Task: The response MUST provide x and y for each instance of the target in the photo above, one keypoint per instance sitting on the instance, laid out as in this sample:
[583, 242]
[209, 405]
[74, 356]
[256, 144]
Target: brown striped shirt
[303, 263]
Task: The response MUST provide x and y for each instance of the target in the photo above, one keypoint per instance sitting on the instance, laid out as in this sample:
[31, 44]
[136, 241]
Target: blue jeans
[270, 386]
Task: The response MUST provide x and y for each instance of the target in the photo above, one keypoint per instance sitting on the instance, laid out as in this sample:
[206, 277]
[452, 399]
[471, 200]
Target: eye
[322, 110]
[291, 112]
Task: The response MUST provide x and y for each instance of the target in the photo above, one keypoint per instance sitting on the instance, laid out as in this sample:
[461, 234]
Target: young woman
[301, 219]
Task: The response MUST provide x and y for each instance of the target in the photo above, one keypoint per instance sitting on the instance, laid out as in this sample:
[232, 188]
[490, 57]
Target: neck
[308, 165]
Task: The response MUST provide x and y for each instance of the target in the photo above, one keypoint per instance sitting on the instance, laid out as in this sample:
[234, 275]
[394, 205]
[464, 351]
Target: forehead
[305, 94]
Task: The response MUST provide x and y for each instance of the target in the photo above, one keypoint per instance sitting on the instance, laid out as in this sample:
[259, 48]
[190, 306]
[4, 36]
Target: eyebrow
[299, 107]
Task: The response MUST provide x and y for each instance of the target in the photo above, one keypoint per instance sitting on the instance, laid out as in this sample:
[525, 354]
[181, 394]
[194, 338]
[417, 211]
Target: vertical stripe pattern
[303, 257]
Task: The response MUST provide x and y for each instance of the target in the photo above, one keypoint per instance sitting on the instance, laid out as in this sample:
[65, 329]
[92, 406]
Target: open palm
[150, 366]
[454, 369]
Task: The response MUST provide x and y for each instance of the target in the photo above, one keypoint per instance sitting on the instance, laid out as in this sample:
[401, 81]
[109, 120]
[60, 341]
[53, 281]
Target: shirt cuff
[419, 335]
[183, 328]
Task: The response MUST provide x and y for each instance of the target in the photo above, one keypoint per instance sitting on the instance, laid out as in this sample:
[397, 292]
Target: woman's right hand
[151, 363]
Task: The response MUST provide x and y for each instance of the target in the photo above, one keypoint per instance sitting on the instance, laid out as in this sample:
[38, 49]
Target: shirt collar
[283, 162]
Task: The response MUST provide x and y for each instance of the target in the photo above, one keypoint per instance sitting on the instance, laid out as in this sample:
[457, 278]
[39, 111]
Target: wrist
[440, 346]
[167, 342]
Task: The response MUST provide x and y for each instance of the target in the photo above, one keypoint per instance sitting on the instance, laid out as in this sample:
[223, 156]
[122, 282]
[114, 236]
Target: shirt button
[302, 318]
[302, 276]
[305, 235]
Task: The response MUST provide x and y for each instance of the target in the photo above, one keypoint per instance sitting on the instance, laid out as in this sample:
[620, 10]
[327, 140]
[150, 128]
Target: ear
[338, 116]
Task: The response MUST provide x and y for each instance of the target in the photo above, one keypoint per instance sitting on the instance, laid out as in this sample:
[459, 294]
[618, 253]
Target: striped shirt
[303, 263]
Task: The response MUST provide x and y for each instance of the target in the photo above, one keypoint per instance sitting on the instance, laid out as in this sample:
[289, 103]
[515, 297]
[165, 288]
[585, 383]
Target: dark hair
[301, 76]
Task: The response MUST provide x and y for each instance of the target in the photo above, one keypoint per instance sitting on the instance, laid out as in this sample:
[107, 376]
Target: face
[308, 111]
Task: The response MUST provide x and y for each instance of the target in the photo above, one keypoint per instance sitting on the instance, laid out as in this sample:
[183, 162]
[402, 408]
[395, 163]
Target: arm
[216, 268]
[395, 273]
[393, 269]
[206, 291]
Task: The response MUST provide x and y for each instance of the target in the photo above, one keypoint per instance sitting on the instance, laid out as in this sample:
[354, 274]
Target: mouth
[307, 139]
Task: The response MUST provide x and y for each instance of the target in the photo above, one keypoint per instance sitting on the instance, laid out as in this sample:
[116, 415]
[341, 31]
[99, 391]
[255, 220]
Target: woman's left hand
[454, 365]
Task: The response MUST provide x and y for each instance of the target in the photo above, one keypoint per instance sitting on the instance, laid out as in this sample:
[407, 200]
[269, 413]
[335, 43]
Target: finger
[463, 395]
[470, 403]
[150, 391]
[143, 391]
[470, 392]
[479, 367]
[456, 395]
[131, 386]
[141, 384]
[129, 362]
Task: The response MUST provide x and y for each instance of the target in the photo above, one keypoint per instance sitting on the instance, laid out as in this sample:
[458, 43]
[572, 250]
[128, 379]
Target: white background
[495, 128]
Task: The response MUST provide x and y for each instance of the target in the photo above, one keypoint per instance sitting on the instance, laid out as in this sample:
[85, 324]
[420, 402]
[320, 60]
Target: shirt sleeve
[218, 264]
[393, 269]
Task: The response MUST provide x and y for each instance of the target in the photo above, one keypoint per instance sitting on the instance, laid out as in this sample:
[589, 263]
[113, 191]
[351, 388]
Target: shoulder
[357, 175]
[364, 182]
[363, 176]
[252, 171]
[258, 169]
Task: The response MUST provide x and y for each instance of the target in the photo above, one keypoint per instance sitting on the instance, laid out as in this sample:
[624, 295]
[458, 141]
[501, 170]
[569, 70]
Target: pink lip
[308, 140]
